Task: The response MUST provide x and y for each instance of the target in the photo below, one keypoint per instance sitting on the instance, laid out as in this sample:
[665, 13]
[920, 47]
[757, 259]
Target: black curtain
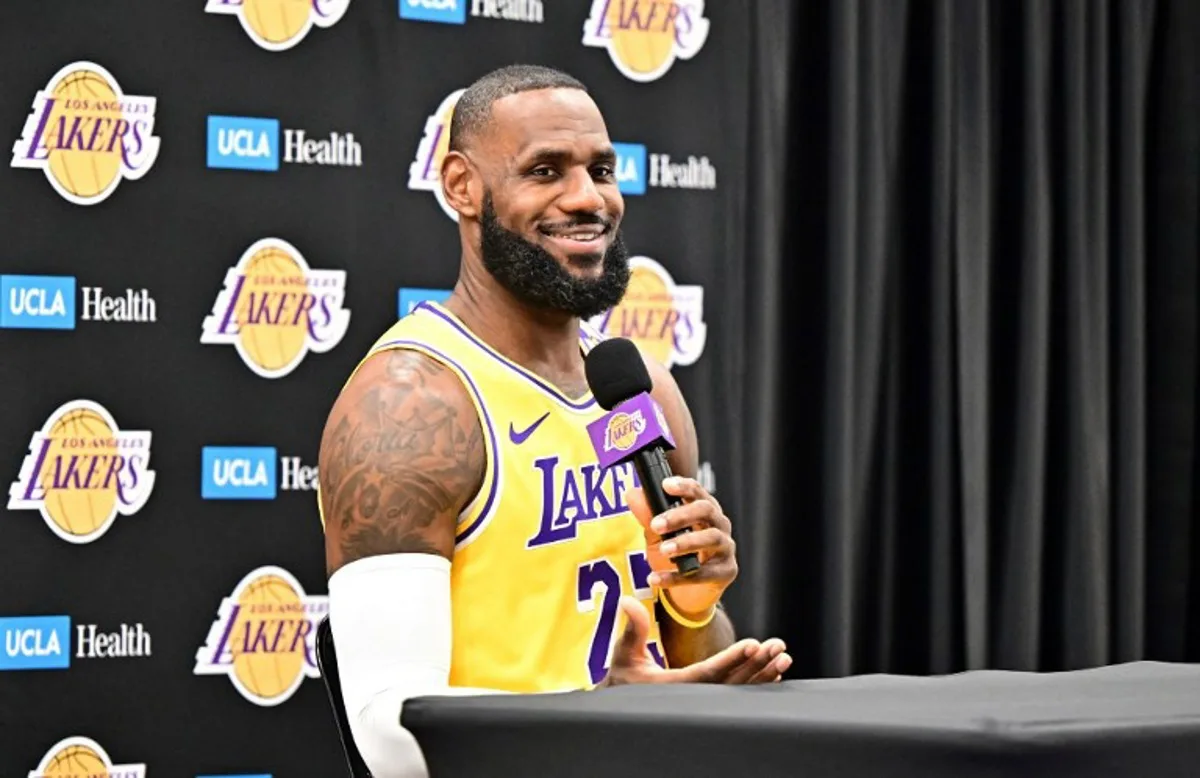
[971, 309]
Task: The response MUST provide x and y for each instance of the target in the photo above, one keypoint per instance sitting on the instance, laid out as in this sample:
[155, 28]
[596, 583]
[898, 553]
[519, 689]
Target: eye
[603, 171]
[542, 171]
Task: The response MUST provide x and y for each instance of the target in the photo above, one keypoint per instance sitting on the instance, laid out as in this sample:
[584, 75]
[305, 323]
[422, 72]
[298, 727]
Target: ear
[457, 178]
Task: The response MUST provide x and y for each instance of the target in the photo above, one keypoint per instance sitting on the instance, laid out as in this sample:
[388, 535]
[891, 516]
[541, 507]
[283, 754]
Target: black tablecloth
[1138, 720]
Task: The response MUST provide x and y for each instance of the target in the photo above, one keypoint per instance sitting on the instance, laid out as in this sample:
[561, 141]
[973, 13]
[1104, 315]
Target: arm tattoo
[402, 454]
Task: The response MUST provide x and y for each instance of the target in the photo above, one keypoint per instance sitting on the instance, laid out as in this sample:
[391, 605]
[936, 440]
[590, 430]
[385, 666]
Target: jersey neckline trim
[586, 336]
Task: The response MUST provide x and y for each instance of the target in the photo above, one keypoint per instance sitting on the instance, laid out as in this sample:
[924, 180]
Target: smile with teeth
[581, 235]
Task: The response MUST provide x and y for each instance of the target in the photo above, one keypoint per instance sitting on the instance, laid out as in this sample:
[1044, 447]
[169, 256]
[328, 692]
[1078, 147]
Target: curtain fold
[971, 310]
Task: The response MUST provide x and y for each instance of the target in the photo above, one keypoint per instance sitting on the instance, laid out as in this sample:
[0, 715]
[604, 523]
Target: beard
[536, 278]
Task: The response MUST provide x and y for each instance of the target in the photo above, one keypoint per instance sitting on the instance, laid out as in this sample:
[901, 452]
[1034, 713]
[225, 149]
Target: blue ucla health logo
[251, 473]
[455, 11]
[35, 643]
[256, 143]
[411, 297]
[38, 302]
[637, 169]
[44, 642]
[48, 303]
[631, 168]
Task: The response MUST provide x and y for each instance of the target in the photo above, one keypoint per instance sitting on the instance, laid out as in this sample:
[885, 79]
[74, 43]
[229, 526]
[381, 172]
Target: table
[1137, 720]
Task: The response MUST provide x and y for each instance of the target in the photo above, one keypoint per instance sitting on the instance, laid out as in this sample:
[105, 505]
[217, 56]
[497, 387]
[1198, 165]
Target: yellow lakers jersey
[548, 544]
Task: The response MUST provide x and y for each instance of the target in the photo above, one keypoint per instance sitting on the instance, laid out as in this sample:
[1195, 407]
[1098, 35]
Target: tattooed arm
[402, 454]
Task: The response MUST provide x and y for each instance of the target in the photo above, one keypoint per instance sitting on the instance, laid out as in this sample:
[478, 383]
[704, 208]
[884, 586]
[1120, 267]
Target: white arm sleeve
[390, 617]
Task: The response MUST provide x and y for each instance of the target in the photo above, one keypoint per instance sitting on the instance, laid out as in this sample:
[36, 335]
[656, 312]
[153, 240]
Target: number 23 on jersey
[600, 580]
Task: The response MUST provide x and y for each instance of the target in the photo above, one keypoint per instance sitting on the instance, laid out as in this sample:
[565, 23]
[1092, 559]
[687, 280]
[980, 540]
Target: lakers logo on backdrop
[425, 171]
[274, 309]
[664, 318]
[76, 757]
[276, 25]
[264, 637]
[82, 472]
[86, 135]
[645, 37]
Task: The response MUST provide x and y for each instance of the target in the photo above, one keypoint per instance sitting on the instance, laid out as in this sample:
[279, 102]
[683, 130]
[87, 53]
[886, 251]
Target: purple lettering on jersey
[602, 574]
[633, 425]
[565, 505]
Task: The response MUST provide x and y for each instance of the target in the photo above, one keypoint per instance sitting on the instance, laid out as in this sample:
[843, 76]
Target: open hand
[745, 662]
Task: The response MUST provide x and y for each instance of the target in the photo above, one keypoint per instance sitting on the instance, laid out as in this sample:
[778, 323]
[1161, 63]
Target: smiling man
[472, 543]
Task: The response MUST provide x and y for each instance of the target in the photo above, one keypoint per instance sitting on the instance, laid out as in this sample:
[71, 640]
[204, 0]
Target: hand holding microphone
[683, 522]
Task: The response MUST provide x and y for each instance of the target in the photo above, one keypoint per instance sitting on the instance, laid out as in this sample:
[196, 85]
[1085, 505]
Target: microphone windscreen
[615, 372]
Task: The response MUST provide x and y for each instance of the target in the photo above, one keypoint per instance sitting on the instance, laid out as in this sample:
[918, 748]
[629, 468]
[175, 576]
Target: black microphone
[637, 430]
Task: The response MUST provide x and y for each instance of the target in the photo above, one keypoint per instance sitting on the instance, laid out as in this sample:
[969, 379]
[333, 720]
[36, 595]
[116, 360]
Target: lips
[582, 235]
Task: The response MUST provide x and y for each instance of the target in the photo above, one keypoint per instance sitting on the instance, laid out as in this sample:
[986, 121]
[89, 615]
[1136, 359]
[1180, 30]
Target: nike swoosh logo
[519, 437]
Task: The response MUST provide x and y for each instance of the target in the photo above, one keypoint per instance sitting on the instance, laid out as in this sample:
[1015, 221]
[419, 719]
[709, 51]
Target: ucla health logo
[38, 302]
[411, 297]
[44, 642]
[250, 143]
[633, 174]
[631, 168]
[35, 643]
[250, 473]
[86, 135]
[664, 318]
[277, 25]
[455, 11]
[48, 303]
[645, 37]
[264, 636]
[424, 174]
[82, 756]
[274, 309]
[82, 471]
[237, 473]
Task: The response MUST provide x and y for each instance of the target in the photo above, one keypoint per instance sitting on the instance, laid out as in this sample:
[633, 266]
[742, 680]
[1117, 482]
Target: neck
[544, 342]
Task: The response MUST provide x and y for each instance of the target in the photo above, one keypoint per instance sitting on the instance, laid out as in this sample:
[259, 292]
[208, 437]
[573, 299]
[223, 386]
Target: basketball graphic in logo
[665, 319]
[645, 37]
[425, 172]
[263, 638]
[86, 136]
[82, 757]
[82, 472]
[278, 25]
[274, 309]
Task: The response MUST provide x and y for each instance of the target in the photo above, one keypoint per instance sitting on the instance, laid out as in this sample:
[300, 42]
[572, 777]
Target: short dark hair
[474, 106]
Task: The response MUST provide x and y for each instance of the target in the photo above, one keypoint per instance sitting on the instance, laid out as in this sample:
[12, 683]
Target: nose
[580, 194]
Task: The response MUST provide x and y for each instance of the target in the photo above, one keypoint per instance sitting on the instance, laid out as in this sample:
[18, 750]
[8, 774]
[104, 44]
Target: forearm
[685, 645]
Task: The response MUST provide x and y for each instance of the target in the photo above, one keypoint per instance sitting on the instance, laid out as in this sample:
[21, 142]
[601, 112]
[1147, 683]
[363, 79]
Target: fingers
[771, 663]
[719, 666]
[745, 662]
[630, 647]
[701, 513]
[688, 489]
[709, 539]
[721, 569]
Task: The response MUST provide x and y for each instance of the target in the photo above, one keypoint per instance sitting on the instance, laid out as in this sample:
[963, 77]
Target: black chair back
[327, 664]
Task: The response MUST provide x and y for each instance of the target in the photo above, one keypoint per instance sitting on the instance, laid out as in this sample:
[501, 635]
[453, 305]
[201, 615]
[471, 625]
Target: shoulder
[401, 455]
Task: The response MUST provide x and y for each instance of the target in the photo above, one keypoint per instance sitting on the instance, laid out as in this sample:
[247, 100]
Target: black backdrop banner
[211, 210]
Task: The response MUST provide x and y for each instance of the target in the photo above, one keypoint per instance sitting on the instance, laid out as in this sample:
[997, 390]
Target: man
[473, 546]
